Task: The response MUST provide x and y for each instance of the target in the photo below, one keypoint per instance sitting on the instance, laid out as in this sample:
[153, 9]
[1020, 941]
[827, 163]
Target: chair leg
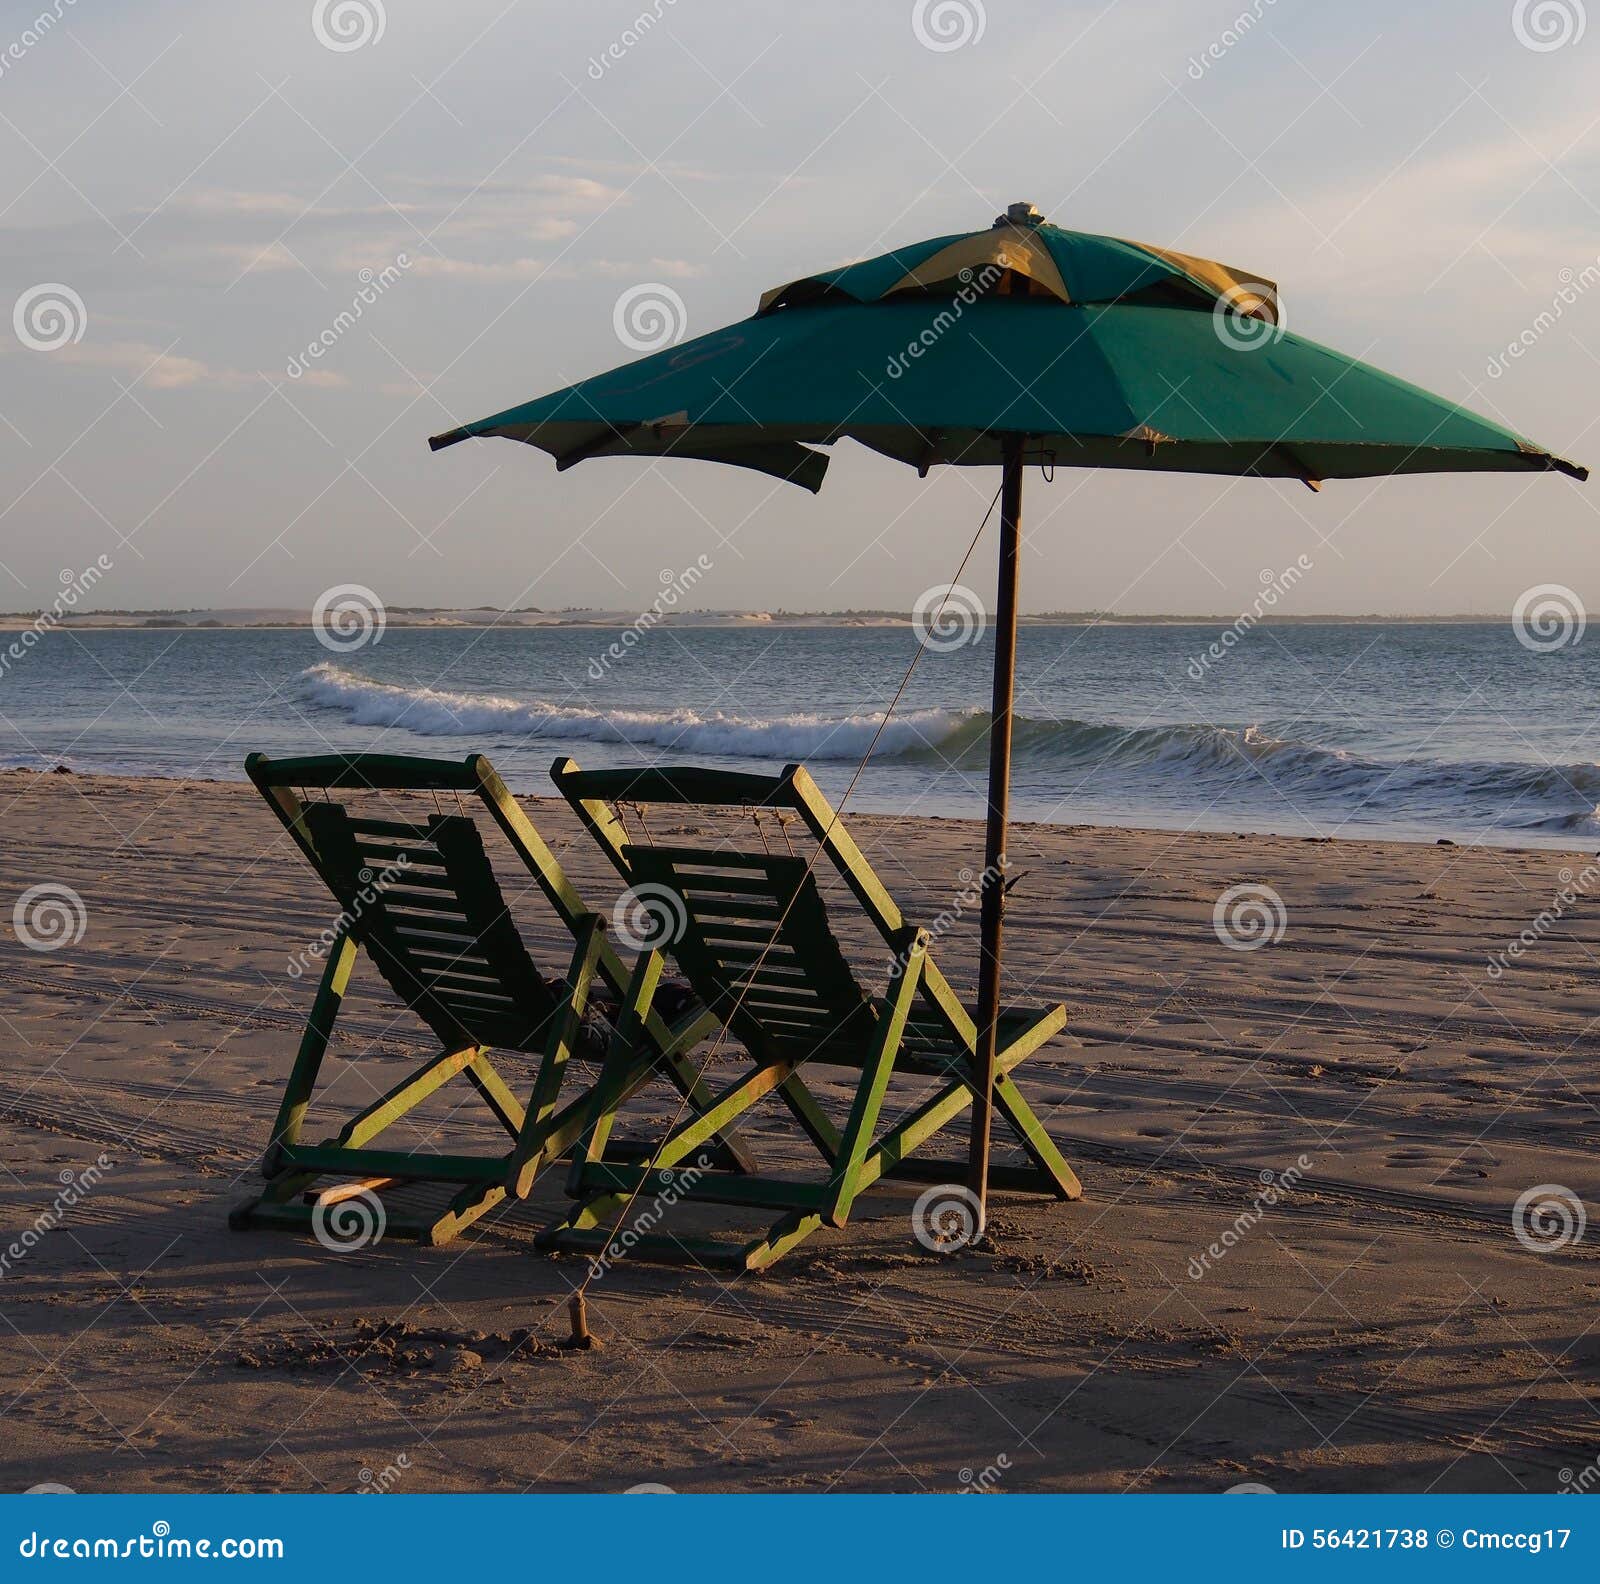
[1056, 1175]
[694, 1133]
[497, 1095]
[256, 1210]
[276, 1205]
[845, 1179]
[282, 1186]
[602, 1184]
[582, 1218]
[313, 1047]
[590, 1226]
[814, 1121]
[624, 1069]
[736, 1154]
[532, 1148]
[475, 1200]
[630, 1063]
[404, 1096]
[783, 1235]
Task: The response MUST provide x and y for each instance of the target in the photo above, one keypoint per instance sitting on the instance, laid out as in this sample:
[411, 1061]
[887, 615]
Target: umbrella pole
[994, 850]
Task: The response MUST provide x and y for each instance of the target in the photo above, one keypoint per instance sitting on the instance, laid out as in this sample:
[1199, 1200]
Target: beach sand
[1378, 1328]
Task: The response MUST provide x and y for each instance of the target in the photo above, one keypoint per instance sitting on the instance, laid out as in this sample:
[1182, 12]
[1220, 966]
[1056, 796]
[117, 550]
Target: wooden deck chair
[751, 934]
[420, 898]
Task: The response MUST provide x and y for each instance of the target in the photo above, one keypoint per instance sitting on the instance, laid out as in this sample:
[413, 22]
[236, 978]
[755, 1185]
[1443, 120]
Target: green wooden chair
[419, 897]
[750, 931]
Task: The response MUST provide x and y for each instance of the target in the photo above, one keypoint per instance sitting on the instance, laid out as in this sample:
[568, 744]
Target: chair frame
[856, 1157]
[539, 1130]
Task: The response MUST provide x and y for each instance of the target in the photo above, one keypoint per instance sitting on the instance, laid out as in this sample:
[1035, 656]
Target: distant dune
[488, 616]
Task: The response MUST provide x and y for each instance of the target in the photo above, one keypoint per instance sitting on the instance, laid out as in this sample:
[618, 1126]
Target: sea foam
[1194, 762]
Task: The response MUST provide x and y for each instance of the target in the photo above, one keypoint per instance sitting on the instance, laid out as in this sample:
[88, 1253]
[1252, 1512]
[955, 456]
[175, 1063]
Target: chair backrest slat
[448, 948]
[802, 992]
[459, 875]
[743, 916]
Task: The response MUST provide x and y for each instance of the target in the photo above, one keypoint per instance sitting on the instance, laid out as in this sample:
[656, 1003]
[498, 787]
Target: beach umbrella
[1020, 344]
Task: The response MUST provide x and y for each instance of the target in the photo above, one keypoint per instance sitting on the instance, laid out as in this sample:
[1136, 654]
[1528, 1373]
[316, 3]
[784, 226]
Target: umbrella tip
[1019, 214]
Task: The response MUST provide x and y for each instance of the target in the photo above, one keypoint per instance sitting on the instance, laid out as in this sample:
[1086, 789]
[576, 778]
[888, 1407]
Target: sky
[214, 185]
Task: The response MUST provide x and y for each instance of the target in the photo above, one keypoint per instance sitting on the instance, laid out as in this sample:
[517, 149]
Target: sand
[1379, 1327]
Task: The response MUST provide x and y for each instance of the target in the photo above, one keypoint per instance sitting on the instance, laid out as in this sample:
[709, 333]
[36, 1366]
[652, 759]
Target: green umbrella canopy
[1104, 352]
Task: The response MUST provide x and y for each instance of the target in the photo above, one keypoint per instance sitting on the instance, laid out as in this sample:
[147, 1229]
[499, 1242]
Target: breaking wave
[433, 712]
[1191, 763]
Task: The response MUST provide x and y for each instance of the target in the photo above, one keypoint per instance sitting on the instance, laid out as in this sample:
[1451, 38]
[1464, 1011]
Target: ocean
[1394, 730]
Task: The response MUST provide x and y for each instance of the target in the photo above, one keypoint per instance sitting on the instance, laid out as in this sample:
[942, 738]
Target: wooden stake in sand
[581, 1336]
